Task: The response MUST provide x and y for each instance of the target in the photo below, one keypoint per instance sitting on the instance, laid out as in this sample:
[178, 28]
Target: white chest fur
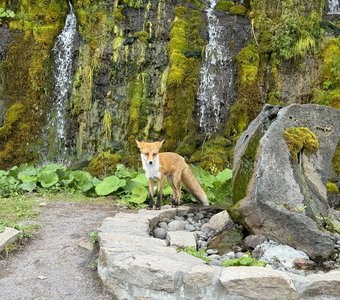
[151, 171]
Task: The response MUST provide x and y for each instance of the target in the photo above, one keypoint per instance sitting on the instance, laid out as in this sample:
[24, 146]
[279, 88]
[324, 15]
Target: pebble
[204, 245]
[229, 255]
[214, 256]
[189, 227]
[212, 251]
[178, 218]
[200, 216]
[163, 225]
[159, 233]
[190, 215]
[239, 254]
[176, 225]
[215, 262]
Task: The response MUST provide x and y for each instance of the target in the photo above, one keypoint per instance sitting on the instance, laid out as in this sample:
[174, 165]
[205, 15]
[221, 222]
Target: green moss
[332, 188]
[287, 29]
[245, 170]
[139, 93]
[248, 59]
[238, 10]
[300, 138]
[249, 100]
[103, 165]
[224, 5]
[180, 11]
[336, 159]
[12, 117]
[183, 77]
[213, 155]
[27, 74]
[143, 36]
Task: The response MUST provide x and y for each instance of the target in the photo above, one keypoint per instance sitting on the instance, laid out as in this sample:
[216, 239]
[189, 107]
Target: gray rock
[199, 215]
[176, 225]
[271, 252]
[282, 197]
[163, 225]
[9, 235]
[159, 233]
[255, 283]
[214, 257]
[215, 262]
[199, 276]
[181, 239]
[229, 255]
[251, 241]
[189, 227]
[212, 251]
[203, 245]
[221, 221]
[239, 254]
[326, 286]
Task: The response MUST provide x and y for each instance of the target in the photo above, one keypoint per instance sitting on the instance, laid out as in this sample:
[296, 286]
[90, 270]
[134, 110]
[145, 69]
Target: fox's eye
[147, 154]
[154, 154]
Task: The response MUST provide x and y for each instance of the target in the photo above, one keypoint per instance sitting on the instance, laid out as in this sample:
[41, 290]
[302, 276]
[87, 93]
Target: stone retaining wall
[134, 265]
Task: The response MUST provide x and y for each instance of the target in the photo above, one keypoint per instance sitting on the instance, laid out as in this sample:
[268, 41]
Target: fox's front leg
[150, 195]
[159, 193]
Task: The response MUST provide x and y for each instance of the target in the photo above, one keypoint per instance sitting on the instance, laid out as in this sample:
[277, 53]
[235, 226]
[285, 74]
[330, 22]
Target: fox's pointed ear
[138, 144]
[160, 144]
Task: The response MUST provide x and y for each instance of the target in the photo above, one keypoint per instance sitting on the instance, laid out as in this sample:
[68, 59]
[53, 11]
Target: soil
[53, 265]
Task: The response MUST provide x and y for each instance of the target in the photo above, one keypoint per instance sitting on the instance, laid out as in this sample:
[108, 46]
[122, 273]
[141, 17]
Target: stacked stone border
[134, 265]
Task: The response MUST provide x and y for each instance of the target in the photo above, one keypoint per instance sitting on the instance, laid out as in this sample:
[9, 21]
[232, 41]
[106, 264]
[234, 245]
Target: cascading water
[333, 7]
[215, 91]
[57, 119]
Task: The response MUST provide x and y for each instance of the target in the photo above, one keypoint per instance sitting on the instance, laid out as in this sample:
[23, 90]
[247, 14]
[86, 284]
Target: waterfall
[216, 85]
[57, 118]
[333, 7]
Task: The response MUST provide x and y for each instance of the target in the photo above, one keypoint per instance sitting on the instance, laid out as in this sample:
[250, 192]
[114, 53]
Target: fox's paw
[149, 208]
[157, 207]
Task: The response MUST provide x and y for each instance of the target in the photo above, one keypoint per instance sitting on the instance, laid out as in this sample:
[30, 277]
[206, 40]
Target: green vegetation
[332, 188]
[192, 251]
[129, 186]
[300, 138]
[287, 29]
[94, 237]
[244, 260]
[14, 212]
[183, 78]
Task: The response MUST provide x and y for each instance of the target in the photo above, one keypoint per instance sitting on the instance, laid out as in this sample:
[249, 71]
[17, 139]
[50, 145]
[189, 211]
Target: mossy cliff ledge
[286, 154]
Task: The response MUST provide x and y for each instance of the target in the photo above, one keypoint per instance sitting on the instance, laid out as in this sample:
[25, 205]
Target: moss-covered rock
[214, 154]
[300, 138]
[103, 165]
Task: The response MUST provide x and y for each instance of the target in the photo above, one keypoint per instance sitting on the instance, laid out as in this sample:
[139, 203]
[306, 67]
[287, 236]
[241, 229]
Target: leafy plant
[244, 260]
[109, 185]
[192, 251]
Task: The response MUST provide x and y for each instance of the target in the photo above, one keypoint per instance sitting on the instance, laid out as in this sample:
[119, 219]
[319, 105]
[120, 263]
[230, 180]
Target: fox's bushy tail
[190, 182]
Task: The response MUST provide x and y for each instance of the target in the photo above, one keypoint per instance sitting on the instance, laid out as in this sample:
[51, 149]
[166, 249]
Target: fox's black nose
[150, 162]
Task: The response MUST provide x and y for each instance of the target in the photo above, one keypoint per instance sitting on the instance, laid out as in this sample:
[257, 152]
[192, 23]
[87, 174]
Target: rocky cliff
[138, 71]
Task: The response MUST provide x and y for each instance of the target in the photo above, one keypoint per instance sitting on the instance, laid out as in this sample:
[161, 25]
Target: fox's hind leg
[174, 193]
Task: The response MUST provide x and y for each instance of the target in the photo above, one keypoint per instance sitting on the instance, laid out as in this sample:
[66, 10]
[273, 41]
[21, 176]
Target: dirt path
[53, 266]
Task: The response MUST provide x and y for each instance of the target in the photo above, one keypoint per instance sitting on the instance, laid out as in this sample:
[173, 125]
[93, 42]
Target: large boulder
[280, 190]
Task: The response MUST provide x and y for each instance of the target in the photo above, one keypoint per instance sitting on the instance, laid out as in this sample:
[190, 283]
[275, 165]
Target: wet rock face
[285, 198]
[5, 39]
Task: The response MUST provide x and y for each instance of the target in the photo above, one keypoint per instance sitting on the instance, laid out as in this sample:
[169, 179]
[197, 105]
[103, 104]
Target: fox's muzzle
[150, 162]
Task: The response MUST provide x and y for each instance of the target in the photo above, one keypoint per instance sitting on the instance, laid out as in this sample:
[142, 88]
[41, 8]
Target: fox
[171, 165]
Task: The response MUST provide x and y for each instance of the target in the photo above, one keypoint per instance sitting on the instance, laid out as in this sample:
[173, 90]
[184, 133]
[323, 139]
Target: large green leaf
[81, 180]
[141, 178]
[138, 194]
[48, 178]
[109, 185]
[224, 175]
[123, 172]
[28, 186]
